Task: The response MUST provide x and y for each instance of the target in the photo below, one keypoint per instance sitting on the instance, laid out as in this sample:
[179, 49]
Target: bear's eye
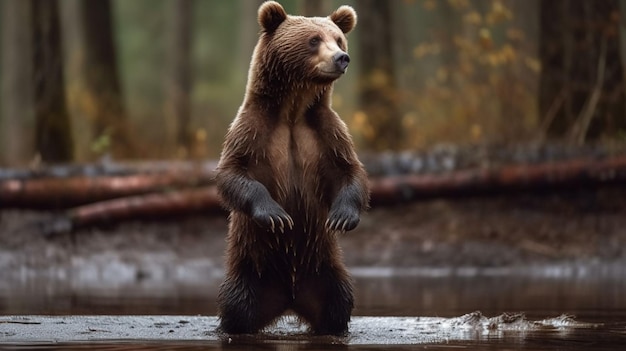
[340, 42]
[315, 41]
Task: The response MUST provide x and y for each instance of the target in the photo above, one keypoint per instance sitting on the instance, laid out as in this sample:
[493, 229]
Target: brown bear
[291, 180]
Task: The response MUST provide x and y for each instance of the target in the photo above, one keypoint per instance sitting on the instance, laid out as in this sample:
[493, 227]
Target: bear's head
[304, 49]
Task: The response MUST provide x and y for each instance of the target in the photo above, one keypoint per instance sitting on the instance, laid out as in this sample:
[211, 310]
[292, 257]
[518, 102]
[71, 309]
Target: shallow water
[431, 299]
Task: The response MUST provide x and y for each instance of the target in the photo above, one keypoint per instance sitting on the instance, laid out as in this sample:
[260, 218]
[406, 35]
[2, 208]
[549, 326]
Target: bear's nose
[341, 60]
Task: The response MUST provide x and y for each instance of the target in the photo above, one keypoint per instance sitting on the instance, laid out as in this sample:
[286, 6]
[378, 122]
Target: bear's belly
[292, 176]
[293, 155]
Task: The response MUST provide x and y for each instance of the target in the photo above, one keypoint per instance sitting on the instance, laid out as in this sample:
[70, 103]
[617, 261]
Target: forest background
[150, 79]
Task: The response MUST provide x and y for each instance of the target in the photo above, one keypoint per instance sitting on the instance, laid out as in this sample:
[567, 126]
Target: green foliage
[102, 143]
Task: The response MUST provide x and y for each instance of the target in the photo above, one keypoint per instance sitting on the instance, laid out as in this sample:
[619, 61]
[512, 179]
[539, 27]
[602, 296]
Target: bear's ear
[344, 17]
[271, 15]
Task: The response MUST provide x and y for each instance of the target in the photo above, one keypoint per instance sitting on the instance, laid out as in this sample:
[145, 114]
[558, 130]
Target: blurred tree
[53, 135]
[100, 69]
[449, 24]
[248, 30]
[519, 82]
[178, 82]
[320, 8]
[378, 94]
[582, 81]
[16, 139]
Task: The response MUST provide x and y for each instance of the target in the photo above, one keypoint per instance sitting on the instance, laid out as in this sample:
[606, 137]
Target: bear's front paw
[271, 215]
[343, 218]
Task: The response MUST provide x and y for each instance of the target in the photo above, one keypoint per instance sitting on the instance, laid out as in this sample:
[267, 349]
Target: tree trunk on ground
[203, 200]
[102, 79]
[16, 140]
[582, 81]
[53, 135]
[378, 94]
[178, 86]
[63, 187]
[394, 190]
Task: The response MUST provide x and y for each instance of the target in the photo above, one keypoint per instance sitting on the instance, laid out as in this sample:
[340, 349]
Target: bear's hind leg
[246, 305]
[238, 306]
[325, 300]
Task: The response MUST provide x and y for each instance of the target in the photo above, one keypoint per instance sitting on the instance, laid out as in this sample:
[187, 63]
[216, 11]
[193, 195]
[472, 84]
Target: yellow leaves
[508, 53]
[466, 68]
[338, 100]
[464, 46]
[476, 132]
[409, 120]
[499, 13]
[459, 4]
[200, 135]
[473, 18]
[515, 34]
[505, 55]
[361, 123]
[378, 79]
[471, 82]
[484, 38]
[442, 74]
[424, 49]
[533, 63]
[429, 5]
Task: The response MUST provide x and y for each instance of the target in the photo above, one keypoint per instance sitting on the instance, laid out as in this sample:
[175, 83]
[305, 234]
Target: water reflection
[593, 296]
[587, 293]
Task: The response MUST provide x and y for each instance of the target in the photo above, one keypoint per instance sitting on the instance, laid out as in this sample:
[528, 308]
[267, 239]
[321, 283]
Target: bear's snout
[341, 60]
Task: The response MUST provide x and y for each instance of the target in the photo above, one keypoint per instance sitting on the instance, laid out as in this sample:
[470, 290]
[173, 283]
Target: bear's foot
[325, 301]
[247, 304]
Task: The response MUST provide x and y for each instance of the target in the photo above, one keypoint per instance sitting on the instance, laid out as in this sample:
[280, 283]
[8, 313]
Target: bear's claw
[270, 215]
[281, 219]
[342, 221]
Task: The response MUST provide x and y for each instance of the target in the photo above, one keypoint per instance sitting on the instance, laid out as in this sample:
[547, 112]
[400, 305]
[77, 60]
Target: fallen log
[61, 187]
[553, 175]
[149, 206]
[59, 192]
[385, 190]
[108, 168]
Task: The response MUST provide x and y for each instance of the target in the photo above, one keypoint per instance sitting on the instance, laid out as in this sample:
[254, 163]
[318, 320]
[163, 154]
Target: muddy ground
[579, 225]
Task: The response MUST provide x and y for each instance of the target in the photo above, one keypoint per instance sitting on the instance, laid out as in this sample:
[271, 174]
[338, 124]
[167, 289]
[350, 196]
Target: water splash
[509, 321]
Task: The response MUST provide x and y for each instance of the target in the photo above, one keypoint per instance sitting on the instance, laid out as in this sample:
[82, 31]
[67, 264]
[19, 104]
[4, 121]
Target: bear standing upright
[291, 179]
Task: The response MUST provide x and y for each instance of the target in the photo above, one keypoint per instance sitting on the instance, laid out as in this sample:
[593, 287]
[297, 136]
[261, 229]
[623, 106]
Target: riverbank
[579, 225]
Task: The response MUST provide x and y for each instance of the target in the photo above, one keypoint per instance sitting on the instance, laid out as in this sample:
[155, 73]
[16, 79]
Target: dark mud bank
[579, 226]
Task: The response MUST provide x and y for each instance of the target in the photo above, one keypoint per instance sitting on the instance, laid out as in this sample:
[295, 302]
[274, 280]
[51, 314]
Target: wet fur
[291, 179]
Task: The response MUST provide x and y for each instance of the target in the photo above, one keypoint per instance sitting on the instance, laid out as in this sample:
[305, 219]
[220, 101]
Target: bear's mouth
[333, 73]
[327, 77]
[327, 72]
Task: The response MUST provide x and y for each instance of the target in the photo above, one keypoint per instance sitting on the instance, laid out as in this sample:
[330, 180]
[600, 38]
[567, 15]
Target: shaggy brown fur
[291, 179]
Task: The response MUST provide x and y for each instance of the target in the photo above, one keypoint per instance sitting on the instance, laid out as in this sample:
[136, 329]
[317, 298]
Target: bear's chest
[295, 153]
[294, 149]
